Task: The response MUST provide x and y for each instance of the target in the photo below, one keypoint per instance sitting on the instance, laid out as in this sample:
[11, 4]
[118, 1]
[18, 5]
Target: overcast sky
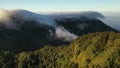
[62, 5]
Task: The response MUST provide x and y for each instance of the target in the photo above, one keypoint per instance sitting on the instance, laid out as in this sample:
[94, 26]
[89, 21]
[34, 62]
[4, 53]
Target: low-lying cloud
[62, 33]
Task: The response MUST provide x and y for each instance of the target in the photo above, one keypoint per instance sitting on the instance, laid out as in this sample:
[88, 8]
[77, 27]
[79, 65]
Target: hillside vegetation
[94, 50]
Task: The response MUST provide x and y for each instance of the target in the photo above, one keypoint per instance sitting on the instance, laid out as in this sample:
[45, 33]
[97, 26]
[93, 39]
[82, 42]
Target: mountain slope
[84, 26]
[22, 30]
[100, 49]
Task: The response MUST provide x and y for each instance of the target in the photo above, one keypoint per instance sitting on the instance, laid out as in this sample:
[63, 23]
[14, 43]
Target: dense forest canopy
[94, 50]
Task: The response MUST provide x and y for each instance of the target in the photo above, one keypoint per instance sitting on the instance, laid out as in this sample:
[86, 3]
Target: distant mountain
[24, 30]
[94, 50]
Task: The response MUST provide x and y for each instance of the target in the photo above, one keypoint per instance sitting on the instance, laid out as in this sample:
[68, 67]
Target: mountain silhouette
[22, 30]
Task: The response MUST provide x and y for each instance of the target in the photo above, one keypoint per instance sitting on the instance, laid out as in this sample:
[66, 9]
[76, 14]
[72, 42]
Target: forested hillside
[94, 50]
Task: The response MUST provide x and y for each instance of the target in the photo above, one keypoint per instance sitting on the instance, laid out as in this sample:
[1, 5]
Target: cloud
[5, 20]
[62, 33]
[14, 18]
[76, 15]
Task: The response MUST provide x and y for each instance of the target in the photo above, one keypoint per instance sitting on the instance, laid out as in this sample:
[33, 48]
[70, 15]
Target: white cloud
[65, 35]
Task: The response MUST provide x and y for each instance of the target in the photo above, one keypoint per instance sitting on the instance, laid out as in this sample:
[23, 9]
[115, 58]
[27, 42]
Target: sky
[62, 5]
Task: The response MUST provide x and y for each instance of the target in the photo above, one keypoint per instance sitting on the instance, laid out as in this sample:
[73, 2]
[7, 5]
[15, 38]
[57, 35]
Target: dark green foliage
[8, 59]
[95, 50]
[30, 36]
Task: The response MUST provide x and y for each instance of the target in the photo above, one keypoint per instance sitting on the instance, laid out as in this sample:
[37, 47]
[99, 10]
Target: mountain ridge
[23, 30]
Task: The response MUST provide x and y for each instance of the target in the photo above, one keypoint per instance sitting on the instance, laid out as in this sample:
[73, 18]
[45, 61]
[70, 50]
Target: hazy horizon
[62, 5]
